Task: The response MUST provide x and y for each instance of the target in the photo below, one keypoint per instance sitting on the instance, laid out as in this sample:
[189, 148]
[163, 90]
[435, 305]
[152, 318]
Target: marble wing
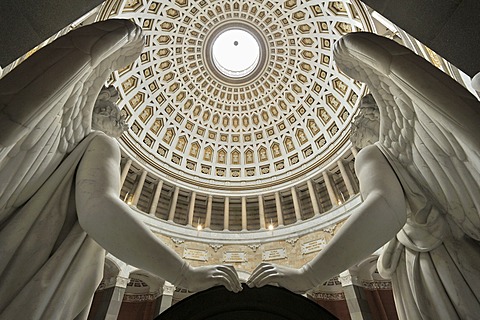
[46, 103]
[429, 122]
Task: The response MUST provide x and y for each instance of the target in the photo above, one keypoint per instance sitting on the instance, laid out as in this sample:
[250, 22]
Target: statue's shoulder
[369, 153]
[100, 141]
[370, 158]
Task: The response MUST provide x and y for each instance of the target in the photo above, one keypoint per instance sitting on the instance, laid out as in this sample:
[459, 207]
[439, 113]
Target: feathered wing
[429, 123]
[46, 103]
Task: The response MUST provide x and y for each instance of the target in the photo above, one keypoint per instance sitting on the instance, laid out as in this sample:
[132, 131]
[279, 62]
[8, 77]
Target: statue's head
[366, 125]
[106, 114]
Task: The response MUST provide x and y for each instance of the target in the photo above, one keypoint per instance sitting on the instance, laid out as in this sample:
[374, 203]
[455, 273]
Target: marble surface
[59, 181]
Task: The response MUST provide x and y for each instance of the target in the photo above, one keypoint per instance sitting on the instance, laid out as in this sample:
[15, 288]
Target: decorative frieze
[377, 285]
[140, 297]
[335, 296]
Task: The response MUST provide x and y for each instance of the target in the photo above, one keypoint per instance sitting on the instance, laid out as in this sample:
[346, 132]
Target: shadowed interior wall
[27, 23]
[338, 308]
[144, 310]
[381, 303]
[448, 27]
[100, 303]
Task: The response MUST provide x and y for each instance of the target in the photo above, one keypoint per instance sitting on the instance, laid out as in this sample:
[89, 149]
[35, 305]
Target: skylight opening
[235, 53]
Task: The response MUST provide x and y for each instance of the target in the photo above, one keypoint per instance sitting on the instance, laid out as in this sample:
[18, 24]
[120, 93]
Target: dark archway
[267, 303]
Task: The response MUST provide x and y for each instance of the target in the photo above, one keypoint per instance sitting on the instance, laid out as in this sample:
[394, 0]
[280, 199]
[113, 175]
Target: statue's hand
[201, 278]
[296, 280]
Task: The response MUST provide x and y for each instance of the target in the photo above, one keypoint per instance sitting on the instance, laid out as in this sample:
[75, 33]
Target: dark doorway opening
[267, 303]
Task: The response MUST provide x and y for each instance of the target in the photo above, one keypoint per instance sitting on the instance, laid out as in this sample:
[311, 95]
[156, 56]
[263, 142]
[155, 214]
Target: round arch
[266, 303]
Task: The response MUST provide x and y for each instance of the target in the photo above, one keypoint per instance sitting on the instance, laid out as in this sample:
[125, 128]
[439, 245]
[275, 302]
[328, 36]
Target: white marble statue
[59, 181]
[419, 183]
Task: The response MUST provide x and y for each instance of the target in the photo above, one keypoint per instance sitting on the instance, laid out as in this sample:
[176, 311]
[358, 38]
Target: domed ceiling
[278, 119]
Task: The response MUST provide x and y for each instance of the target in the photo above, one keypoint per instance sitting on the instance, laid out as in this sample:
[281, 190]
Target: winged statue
[60, 176]
[419, 174]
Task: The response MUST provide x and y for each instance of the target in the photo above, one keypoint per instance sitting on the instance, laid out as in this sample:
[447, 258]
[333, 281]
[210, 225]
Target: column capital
[355, 297]
[348, 279]
[119, 281]
[168, 289]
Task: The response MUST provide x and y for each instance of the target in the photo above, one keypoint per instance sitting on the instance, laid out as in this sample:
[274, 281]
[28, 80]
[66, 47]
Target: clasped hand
[202, 278]
[296, 280]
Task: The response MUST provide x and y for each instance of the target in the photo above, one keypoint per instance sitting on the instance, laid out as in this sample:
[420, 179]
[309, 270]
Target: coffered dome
[278, 119]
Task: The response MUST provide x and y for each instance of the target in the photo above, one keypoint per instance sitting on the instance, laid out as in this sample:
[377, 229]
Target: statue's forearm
[376, 221]
[111, 222]
[113, 225]
[368, 228]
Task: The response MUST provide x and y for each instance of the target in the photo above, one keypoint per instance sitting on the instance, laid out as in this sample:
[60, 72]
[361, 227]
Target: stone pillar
[191, 208]
[355, 296]
[261, 211]
[346, 178]
[354, 151]
[296, 204]
[117, 298]
[125, 169]
[167, 296]
[173, 205]
[313, 197]
[278, 205]
[138, 189]
[331, 192]
[226, 213]
[208, 218]
[156, 197]
[244, 214]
